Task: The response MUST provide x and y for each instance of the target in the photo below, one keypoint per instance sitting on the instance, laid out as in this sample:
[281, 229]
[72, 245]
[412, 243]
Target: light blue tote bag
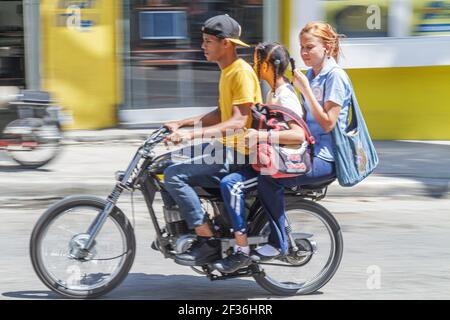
[354, 153]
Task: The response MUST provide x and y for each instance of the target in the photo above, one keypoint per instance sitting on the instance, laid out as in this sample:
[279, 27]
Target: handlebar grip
[165, 129]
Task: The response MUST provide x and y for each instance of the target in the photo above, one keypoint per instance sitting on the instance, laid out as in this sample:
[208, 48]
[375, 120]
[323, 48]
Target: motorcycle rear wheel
[318, 235]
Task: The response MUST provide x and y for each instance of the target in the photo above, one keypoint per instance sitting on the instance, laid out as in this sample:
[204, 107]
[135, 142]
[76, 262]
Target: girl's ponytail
[276, 72]
[292, 68]
[258, 66]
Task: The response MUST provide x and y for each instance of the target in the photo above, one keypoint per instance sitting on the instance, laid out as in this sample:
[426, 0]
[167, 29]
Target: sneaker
[233, 262]
[202, 252]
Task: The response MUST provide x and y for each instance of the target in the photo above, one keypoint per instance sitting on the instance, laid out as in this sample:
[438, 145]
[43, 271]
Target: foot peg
[155, 246]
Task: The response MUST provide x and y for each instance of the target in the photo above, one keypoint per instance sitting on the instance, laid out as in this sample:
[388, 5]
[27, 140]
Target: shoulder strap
[275, 108]
[356, 111]
[325, 84]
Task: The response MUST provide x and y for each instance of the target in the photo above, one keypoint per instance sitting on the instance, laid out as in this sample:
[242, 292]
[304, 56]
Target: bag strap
[325, 85]
[275, 108]
[356, 113]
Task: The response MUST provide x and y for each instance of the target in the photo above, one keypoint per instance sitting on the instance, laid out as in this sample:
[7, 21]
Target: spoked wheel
[316, 256]
[34, 143]
[64, 268]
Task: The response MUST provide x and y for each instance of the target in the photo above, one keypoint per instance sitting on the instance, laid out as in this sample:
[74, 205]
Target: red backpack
[280, 161]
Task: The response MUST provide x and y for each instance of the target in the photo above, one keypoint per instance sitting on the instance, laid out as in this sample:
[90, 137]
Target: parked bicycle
[84, 246]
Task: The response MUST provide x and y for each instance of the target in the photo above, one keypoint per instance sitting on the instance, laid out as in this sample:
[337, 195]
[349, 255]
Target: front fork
[82, 244]
[148, 188]
[288, 229]
[121, 185]
[100, 220]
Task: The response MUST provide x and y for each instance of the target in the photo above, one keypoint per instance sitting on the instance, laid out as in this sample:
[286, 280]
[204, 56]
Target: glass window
[167, 68]
[430, 18]
[357, 19]
[12, 57]
[162, 25]
[388, 18]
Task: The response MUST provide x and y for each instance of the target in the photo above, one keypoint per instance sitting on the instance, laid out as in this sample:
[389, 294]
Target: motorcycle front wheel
[82, 274]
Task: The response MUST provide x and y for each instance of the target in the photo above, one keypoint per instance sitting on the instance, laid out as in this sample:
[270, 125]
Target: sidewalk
[106, 135]
[407, 168]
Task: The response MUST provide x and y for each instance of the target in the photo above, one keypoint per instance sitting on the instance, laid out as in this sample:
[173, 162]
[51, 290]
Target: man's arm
[211, 118]
[237, 121]
[208, 119]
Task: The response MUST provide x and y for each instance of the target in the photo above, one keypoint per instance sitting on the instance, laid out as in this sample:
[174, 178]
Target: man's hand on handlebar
[173, 126]
[179, 136]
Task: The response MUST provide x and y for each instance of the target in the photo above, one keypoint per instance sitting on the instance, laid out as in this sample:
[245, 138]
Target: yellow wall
[405, 103]
[81, 68]
[410, 103]
[285, 21]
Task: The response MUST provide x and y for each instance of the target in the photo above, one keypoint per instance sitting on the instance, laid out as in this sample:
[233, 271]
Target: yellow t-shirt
[238, 85]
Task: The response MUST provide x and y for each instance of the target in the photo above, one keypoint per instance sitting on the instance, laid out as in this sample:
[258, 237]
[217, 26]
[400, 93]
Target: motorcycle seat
[33, 97]
[318, 186]
[208, 192]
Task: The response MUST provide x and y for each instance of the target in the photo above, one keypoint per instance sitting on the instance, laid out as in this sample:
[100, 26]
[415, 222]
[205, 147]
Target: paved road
[406, 168]
[394, 249]
[395, 240]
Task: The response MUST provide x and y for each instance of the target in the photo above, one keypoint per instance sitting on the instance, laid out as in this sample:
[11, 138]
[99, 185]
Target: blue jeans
[233, 189]
[201, 165]
[271, 194]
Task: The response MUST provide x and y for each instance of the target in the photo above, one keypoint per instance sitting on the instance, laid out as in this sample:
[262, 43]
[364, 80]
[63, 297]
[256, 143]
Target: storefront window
[357, 19]
[167, 68]
[388, 18]
[430, 18]
[12, 63]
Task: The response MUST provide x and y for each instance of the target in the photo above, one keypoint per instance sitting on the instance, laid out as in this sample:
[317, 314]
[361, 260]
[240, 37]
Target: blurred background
[137, 63]
[132, 64]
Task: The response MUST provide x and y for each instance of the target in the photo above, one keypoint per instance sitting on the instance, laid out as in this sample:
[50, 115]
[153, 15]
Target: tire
[333, 228]
[36, 125]
[118, 219]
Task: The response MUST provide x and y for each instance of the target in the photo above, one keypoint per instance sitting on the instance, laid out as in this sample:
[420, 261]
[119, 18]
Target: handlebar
[157, 136]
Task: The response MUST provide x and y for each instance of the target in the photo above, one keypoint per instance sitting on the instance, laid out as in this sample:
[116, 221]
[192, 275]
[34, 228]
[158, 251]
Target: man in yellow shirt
[239, 90]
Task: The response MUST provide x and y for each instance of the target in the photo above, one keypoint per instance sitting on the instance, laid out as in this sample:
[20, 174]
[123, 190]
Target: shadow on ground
[140, 286]
[18, 168]
[427, 163]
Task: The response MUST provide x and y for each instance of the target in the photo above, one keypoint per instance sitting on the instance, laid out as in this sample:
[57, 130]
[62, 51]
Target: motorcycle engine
[175, 224]
[184, 242]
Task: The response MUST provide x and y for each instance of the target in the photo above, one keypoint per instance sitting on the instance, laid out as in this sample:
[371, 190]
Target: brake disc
[305, 252]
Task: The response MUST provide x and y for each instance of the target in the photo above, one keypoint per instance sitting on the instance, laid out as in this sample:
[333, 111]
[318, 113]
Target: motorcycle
[84, 246]
[30, 127]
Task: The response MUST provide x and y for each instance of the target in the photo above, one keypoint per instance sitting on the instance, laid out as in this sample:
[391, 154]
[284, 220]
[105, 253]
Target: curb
[109, 135]
[393, 180]
[373, 187]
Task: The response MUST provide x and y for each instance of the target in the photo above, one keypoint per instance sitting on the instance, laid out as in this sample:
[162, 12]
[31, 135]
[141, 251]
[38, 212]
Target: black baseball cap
[224, 27]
